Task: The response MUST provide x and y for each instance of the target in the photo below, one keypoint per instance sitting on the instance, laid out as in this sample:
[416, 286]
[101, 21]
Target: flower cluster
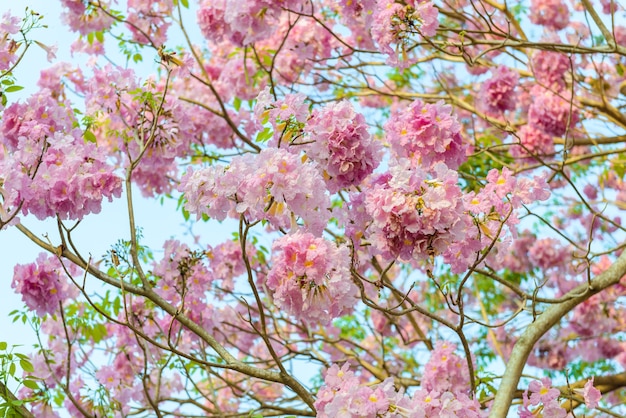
[86, 19]
[497, 94]
[183, 276]
[43, 284]
[344, 394]
[551, 113]
[543, 395]
[341, 145]
[62, 175]
[550, 68]
[533, 142]
[415, 216]
[270, 185]
[310, 278]
[148, 22]
[553, 14]
[393, 23]
[287, 116]
[427, 134]
[9, 25]
[241, 23]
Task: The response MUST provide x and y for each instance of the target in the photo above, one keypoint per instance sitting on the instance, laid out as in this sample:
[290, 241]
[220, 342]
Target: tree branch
[552, 315]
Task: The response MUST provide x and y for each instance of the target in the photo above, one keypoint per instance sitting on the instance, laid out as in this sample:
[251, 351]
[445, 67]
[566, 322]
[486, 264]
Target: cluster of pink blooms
[546, 253]
[551, 113]
[63, 175]
[532, 142]
[85, 19]
[226, 262]
[393, 22]
[550, 68]
[241, 23]
[148, 22]
[497, 94]
[310, 278]
[443, 393]
[341, 145]
[307, 45]
[270, 185]
[414, 215]
[427, 134]
[44, 283]
[553, 14]
[545, 398]
[182, 274]
[9, 25]
[47, 167]
[286, 115]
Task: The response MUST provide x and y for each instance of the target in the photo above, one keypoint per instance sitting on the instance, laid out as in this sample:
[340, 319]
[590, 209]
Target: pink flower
[342, 145]
[43, 284]
[271, 185]
[392, 23]
[497, 93]
[427, 134]
[550, 68]
[310, 278]
[85, 19]
[417, 217]
[534, 142]
[553, 14]
[242, 23]
[551, 114]
[591, 395]
[546, 253]
[542, 391]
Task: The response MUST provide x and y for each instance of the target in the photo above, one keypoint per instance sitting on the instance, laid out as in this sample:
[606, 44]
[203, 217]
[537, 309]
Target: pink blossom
[342, 145]
[270, 185]
[445, 371]
[310, 278]
[542, 391]
[63, 175]
[9, 25]
[497, 93]
[86, 19]
[427, 134]
[533, 142]
[550, 68]
[43, 284]
[551, 114]
[591, 395]
[392, 23]
[242, 23]
[553, 14]
[546, 253]
[415, 217]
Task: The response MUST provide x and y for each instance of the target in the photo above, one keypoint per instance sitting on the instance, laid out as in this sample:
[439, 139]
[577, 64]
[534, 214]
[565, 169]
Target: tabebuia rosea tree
[426, 201]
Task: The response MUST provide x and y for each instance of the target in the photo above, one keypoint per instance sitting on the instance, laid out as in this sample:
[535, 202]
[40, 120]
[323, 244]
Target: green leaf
[11, 89]
[12, 369]
[185, 3]
[89, 136]
[237, 103]
[264, 135]
[26, 366]
[3, 345]
[30, 384]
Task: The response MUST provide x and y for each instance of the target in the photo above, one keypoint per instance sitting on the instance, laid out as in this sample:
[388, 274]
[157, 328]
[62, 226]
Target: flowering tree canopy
[425, 196]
